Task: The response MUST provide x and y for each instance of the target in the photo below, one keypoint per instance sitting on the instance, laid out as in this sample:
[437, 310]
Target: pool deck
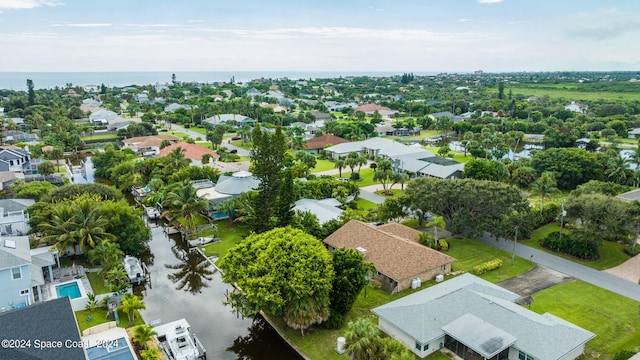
[64, 275]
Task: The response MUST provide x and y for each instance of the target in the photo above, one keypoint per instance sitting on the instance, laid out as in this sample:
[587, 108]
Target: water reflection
[193, 271]
[260, 340]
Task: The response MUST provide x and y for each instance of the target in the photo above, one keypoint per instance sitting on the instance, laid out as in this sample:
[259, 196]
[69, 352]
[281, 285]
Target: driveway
[598, 278]
[628, 270]
[194, 135]
[534, 280]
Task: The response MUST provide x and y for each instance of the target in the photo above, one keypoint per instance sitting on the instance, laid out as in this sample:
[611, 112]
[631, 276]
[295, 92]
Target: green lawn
[611, 253]
[613, 318]
[179, 134]
[231, 236]
[101, 137]
[470, 253]
[97, 283]
[570, 93]
[366, 176]
[457, 156]
[247, 145]
[365, 204]
[199, 130]
[323, 165]
[99, 316]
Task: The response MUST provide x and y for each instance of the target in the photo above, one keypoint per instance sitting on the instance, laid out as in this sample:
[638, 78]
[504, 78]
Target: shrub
[355, 176]
[444, 245]
[623, 355]
[550, 213]
[335, 321]
[571, 243]
[487, 266]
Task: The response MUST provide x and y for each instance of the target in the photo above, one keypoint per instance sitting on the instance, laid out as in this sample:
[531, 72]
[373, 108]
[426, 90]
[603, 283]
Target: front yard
[99, 316]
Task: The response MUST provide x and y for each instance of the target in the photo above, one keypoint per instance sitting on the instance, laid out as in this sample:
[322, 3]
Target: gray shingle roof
[13, 257]
[236, 184]
[324, 210]
[424, 315]
[51, 321]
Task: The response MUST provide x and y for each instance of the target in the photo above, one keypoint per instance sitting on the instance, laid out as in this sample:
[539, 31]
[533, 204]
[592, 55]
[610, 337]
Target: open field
[615, 322]
[570, 93]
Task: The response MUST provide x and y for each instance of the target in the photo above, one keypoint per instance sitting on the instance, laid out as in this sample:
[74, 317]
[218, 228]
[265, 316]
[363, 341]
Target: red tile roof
[192, 151]
[321, 141]
[370, 107]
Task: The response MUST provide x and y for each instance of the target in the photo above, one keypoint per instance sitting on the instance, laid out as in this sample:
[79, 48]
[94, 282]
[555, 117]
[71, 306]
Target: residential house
[371, 109]
[634, 133]
[317, 144]
[253, 92]
[325, 210]
[19, 122]
[17, 135]
[320, 115]
[142, 98]
[23, 272]
[476, 319]
[387, 129]
[277, 109]
[148, 145]
[576, 107]
[192, 152]
[235, 120]
[102, 117]
[448, 114]
[398, 260]
[14, 219]
[175, 106]
[425, 163]
[226, 188]
[52, 321]
[13, 158]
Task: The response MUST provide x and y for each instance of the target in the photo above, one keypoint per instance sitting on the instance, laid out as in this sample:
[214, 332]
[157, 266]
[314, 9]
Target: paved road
[194, 135]
[584, 273]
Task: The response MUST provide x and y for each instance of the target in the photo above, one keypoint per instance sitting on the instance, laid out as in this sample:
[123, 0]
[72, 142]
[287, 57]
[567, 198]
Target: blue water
[43, 80]
[119, 351]
[71, 290]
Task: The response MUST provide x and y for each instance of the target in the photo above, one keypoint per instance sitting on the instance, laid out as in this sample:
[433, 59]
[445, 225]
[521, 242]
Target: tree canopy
[283, 272]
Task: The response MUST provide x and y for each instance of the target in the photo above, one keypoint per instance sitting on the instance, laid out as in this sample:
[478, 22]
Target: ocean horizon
[47, 80]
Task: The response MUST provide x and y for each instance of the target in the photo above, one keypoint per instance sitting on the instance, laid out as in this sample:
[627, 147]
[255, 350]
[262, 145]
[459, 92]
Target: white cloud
[27, 4]
[490, 1]
[465, 20]
[195, 21]
[82, 25]
[604, 24]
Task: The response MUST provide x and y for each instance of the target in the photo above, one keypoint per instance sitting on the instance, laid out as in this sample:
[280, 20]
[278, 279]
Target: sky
[319, 35]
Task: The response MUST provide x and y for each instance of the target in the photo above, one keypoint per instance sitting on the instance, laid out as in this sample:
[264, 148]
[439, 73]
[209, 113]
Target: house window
[425, 347]
[16, 273]
[443, 267]
[418, 346]
[522, 356]
[529, 357]
[24, 292]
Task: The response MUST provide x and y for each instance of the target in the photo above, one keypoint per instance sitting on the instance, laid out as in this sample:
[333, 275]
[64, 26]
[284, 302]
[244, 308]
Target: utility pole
[562, 215]
[515, 240]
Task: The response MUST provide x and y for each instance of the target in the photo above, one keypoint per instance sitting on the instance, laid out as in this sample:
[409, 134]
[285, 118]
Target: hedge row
[572, 244]
[488, 266]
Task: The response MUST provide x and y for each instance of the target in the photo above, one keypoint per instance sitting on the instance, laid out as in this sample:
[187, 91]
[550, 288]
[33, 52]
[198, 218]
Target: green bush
[549, 214]
[487, 266]
[335, 321]
[623, 355]
[444, 245]
[355, 176]
[571, 243]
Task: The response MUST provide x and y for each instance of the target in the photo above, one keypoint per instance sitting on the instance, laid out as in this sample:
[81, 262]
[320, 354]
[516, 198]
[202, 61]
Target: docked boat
[152, 213]
[178, 342]
[203, 240]
[135, 269]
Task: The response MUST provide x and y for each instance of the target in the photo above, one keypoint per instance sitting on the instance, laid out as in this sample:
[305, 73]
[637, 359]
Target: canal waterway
[183, 284]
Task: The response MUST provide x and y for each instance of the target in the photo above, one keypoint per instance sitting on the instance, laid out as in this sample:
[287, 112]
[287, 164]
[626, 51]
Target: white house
[226, 119]
[576, 107]
[102, 117]
[12, 158]
[324, 209]
[14, 219]
[478, 320]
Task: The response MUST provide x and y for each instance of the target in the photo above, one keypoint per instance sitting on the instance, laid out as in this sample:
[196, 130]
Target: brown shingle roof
[321, 141]
[400, 230]
[392, 255]
[370, 107]
[191, 151]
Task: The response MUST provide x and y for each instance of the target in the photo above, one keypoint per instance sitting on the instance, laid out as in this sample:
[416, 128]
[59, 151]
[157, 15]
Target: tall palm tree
[228, 206]
[105, 253]
[185, 202]
[90, 225]
[617, 169]
[340, 164]
[362, 339]
[129, 304]
[543, 186]
[438, 222]
[176, 158]
[59, 228]
[142, 334]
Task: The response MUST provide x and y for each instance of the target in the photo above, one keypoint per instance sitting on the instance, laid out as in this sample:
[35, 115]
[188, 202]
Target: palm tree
[129, 304]
[142, 334]
[543, 186]
[185, 202]
[228, 206]
[59, 228]
[91, 225]
[362, 339]
[150, 354]
[617, 169]
[176, 158]
[105, 253]
[340, 164]
[438, 222]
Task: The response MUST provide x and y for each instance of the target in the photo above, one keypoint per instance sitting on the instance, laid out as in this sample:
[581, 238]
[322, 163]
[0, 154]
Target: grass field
[323, 165]
[101, 137]
[366, 176]
[98, 316]
[97, 283]
[470, 253]
[611, 253]
[615, 322]
[231, 236]
[570, 93]
[365, 204]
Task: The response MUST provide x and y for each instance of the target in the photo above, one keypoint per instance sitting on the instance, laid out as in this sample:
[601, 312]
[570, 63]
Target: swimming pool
[72, 290]
[117, 350]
